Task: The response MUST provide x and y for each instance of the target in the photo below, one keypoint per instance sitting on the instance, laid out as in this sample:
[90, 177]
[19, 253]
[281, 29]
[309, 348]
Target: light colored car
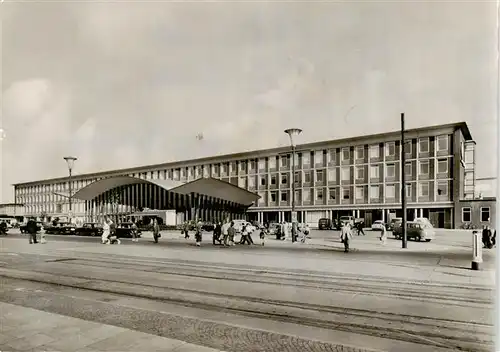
[238, 225]
[425, 222]
[378, 225]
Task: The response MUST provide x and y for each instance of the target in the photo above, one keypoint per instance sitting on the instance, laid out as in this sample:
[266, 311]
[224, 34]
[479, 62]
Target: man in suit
[31, 228]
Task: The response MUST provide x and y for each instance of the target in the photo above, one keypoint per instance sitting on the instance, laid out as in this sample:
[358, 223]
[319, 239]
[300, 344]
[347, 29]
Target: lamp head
[293, 132]
[70, 160]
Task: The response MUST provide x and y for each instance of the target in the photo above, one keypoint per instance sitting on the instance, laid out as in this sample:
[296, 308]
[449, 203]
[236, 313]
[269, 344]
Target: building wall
[363, 174]
[12, 209]
[473, 207]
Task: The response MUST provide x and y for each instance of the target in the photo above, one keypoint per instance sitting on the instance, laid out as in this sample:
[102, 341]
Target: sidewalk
[27, 329]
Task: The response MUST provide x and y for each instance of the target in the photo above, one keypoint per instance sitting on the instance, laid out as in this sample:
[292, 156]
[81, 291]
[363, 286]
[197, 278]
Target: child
[42, 235]
[262, 235]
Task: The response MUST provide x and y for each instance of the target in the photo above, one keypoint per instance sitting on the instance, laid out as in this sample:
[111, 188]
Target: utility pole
[403, 183]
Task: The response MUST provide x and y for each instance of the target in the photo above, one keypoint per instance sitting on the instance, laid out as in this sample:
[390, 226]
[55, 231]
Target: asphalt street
[281, 297]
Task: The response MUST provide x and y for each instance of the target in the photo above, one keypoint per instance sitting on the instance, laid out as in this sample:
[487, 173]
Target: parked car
[89, 229]
[238, 225]
[325, 224]
[415, 230]
[24, 230]
[425, 222]
[391, 224]
[124, 230]
[378, 225]
[207, 226]
[61, 228]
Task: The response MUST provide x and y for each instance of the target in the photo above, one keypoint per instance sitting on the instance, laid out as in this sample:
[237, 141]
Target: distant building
[358, 176]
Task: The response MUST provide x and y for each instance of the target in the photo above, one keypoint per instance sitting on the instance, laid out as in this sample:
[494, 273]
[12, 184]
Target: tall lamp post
[293, 132]
[70, 160]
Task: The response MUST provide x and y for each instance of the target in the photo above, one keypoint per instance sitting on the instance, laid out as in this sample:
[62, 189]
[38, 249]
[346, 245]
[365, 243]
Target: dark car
[61, 228]
[393, 223]
[325, 224]
[124, 230]
[24, 229]
[208, 226]
[89, 229]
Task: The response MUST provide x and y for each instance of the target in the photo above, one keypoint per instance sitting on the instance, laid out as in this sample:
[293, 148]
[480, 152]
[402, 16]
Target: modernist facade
[358, 176]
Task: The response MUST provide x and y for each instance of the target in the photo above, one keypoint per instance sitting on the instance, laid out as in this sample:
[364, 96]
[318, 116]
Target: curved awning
[205, 186]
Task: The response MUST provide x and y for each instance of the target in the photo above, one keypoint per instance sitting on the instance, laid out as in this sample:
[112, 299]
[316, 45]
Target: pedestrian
[494, 238]
[156, 230]
[231, 233]
[250, 229]
[305, 233]
[383, 236]
[217, 233]
[359, 227]
[133, 229]
[42, 235]
[262, 235]
[198, 234]
[105, 231]
[31, 228]
[225, 233]
[186, 230]
[346, 236]
[243, 238]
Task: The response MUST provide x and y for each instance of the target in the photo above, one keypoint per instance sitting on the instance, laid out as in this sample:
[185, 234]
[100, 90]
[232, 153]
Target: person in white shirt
[383, 236]
[346, 236]
[105, 231]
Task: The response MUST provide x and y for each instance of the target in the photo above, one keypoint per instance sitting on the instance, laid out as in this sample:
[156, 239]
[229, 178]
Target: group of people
[346, 234]
[489, 237]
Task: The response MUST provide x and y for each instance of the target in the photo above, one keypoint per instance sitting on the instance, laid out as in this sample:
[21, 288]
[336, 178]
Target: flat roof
[208, 186]
[277, 150]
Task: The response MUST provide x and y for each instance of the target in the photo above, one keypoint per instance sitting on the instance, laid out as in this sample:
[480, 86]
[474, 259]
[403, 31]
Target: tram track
[453, 334]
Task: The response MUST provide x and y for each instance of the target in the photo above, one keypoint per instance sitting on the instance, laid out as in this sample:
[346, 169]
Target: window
[408, 190]
[332, 155]
[297, 177]
[423, 145]
[262, 181]
[243, 166]
[284, 179]
[262, 164]
[360, 152]
[374, 192]
[485, 214]
[190, 172]
[183, 171]
[346, 193]
[176, 174]
[346, 173]
[374, 151]
[272, 162]
[346, 154]
[390, 149]
[251, 182]
[318, 157]
[319, 175]
[332, 193]
[332, 175]
[306, 195]
[423, 189]
[466, 214]
[360, 172]
[306, 159]
[408, 169]
[273, 196]
[224, 168]
[232, 166]
[262, 199]
[273, 179]
[284, 161]
[251, 164]
[442, 166]
[242, 182]
[284, 196]
[390, 170]
[442, 143]
[407, 147]
[360, 192]
[442, 188]
[307, 176]
[423, 167]
[390, 191]
[374, 171]
[319, 194]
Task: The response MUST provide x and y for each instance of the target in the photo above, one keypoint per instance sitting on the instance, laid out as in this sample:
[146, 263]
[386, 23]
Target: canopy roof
[205, 186]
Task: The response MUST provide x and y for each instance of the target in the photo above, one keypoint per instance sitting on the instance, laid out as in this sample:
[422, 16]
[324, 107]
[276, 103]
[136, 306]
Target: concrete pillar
[421, 213]
[383, 215]
[357, 214]
[354, 213]
[305, 216]
[415, 213]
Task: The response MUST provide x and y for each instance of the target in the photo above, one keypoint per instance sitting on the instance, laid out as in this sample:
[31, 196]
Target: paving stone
[124, 341]
[25, 343]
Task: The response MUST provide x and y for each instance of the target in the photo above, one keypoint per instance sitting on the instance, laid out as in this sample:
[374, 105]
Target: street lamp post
[292, 132]
[70, 160]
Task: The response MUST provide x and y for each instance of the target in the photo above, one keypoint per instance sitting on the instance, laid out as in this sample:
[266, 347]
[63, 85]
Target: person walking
[31, 228]
[231, 231]
[245, 235]
[186, 230]
[262, 235]
[383, 236]
[43, 240]
[156, 230]
[198, 235]
[217, 233]
[105, 231]
[346, 236]
[225, 234]
[133, 229]
[359, 228]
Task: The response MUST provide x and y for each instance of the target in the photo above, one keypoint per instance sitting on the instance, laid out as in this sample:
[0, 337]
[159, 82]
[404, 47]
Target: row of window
[467, 214]
[345, 192]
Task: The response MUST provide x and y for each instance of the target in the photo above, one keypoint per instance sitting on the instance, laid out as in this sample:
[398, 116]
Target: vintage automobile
[325, 224]
[393, 223]
[61, 228]
[124, 230]
[89, 229]
[415, 230]
[378, 225]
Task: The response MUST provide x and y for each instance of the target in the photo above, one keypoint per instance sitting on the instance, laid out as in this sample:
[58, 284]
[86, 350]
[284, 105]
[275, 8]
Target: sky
[123, 84]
